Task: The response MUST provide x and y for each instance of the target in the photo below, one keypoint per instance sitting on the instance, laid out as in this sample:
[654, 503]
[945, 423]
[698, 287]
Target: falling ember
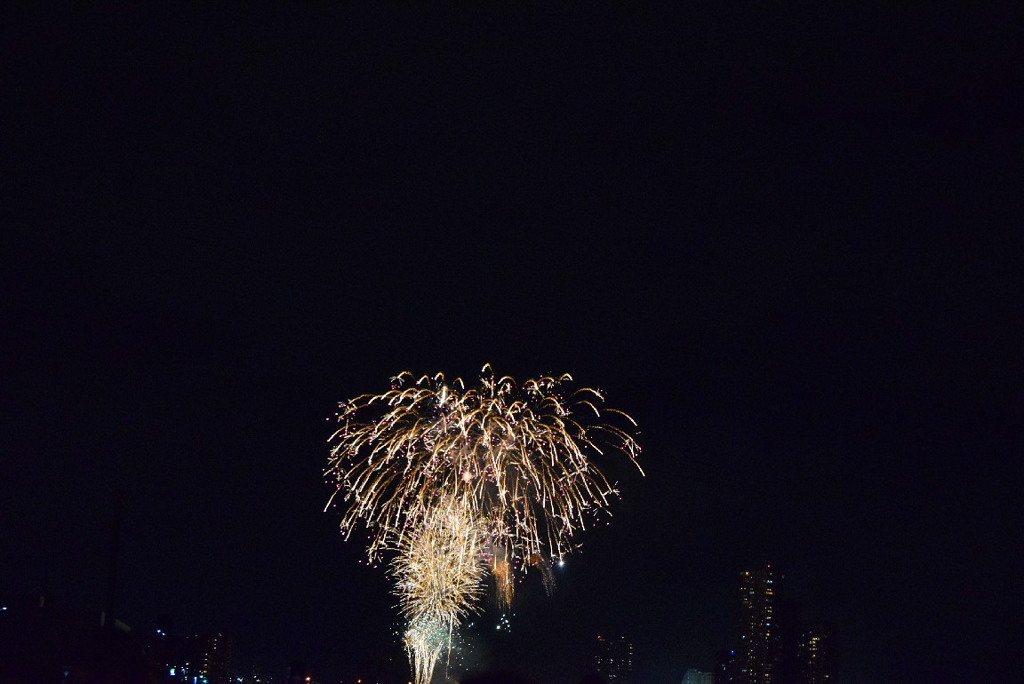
[538, 561]
[501, 570]
[458, 482]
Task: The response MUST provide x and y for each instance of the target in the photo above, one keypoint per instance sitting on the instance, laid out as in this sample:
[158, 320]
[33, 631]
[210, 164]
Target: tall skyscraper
[615, 660]
[760, 646]
[777, 643]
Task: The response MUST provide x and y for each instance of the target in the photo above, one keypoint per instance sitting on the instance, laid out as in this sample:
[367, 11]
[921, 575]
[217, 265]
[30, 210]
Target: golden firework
[458, 480]
[439, 574]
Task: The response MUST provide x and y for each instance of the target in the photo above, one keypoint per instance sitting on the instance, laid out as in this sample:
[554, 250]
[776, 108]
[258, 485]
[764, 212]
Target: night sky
[780, 241]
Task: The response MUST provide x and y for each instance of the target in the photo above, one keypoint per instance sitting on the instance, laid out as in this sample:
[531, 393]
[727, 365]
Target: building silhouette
[43, 639]
[197, 659]
[693, 676]
[760, 648]
[777, 642]
[214, 657]
[615, 660]
[816, 654]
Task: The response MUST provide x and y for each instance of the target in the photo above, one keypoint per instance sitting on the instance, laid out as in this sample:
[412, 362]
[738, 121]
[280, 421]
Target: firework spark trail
[439, 575]
[522, 462]
[447, 476]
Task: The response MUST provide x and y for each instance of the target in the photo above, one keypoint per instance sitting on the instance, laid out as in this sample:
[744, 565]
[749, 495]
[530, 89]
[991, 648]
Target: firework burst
[460, 481]
[439, 573]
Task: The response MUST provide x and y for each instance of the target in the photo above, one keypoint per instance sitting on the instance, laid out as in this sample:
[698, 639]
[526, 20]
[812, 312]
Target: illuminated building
[760, 647]
[777, 644]
[615, 660]
[215, 658]
[202, 660]
[816, 654]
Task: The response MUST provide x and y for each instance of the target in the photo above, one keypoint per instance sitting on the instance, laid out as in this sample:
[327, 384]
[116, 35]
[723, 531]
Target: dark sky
[780, 241]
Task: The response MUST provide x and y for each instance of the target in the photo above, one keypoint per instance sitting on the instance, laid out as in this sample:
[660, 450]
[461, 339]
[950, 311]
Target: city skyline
[776, 641]
[184, 654]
